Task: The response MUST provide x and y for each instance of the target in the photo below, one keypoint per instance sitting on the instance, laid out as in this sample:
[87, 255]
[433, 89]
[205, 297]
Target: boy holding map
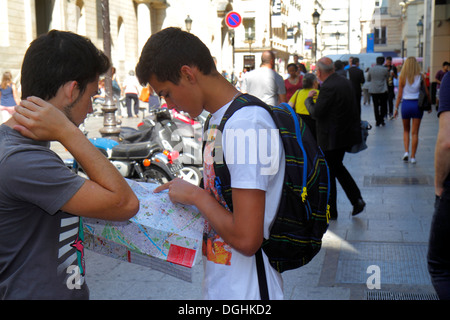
[180, 68]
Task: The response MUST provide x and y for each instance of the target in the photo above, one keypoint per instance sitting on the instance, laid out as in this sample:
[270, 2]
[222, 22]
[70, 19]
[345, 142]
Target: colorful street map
[161, 229]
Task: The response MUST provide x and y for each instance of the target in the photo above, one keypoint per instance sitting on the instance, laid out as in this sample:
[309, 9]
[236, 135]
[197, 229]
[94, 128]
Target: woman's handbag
[424, 101]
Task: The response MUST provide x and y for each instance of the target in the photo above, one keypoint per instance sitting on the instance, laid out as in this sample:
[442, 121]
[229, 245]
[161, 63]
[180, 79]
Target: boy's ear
[71, 90]
[188, 73]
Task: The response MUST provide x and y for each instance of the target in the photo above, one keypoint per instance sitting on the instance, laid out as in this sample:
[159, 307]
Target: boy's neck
[218, 92]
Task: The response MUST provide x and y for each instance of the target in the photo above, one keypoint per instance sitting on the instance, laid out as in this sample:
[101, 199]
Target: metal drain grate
[398, 263]
[377, 181]
[387, 295]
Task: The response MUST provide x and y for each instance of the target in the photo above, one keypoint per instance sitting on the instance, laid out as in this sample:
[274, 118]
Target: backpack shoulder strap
[240, 102]
[223, 178]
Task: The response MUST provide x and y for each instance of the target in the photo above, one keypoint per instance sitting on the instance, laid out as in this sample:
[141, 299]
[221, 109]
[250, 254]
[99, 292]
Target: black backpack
[303, 214]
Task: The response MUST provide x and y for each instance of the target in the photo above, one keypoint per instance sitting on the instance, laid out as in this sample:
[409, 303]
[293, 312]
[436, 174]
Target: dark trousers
[358, 96]
[129, 97]
[338, 171]
[438, 246]
[390, 100]
[379, 107]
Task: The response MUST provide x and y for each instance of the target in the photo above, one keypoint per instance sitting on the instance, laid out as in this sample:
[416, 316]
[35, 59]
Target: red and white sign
[233, 19]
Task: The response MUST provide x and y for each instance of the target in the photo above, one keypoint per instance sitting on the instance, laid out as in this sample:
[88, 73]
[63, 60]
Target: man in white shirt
[265, 83]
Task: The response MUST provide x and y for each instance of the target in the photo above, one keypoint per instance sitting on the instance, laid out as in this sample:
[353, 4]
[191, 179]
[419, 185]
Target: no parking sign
[233, 19]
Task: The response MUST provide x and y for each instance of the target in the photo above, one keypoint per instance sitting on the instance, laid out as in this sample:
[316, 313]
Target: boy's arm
[442, 152]
[242, 229]
[106, 195]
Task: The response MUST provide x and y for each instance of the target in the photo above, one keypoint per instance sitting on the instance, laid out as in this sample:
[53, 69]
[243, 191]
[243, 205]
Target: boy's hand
[40, 120]
[180, 191]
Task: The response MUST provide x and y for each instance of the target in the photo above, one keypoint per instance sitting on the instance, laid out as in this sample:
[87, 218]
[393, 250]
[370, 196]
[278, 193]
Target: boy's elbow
[133, 207]
[128, 208]
[249, 248]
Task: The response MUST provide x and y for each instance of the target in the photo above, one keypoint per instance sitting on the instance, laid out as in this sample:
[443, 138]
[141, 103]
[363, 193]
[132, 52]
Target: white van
[366, 60]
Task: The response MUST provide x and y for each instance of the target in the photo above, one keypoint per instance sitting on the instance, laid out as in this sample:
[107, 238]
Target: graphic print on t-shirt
[214, 248]
[71, 250]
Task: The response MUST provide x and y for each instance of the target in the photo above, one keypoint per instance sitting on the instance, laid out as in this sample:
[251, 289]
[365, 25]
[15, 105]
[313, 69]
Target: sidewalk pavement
[378, 255]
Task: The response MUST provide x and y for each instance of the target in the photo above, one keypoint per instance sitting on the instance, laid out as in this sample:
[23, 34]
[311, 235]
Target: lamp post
[109, 108]
[188, 23]
[420, 32]
[316, 17]
[337, 35]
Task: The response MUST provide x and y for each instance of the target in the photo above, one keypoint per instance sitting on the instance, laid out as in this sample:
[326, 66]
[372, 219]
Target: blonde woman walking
[408, 93]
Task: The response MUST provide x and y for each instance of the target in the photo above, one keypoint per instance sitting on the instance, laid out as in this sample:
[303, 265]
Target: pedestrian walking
[392, 70]
[264, 82]
[132, 88]
[41, 242]
[438, 253]
[378, 76]
[365, 88]
[438, 77]
[116, 91]
[293, 82]
[356, 77]
[298, 100]
[408, 95]
[180, 68]
[339, 68]
[338, 128]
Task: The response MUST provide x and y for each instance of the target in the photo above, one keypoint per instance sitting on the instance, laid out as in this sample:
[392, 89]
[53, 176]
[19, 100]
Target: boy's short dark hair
[380, 60]
[167, 51]
[58, 57]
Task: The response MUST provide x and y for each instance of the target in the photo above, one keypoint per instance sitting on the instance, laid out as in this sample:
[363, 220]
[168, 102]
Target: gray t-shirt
[41, 247]
[265, 84]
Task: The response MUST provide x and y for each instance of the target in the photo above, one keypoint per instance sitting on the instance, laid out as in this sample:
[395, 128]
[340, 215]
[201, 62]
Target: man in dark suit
[356, 76]
[338, 128]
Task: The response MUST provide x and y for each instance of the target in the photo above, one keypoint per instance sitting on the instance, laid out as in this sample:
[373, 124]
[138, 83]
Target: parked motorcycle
[137, 157]
[180, 133]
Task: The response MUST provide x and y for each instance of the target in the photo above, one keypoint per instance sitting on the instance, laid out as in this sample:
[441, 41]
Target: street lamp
[337, 35]
[109, 108]
[188, 23]
[316, 17]
[420, 32]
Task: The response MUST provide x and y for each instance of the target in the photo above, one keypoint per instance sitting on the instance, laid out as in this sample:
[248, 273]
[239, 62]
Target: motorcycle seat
[135, 151]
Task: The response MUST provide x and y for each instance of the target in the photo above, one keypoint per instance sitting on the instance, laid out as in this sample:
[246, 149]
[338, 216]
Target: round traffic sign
[233, 19]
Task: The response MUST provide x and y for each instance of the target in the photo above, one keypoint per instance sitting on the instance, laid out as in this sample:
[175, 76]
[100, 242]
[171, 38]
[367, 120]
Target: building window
[381, 6]
[249, 25]
[380, 35]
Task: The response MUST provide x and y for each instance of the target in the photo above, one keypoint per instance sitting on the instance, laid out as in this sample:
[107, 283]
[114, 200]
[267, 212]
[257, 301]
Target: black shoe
[358, 207]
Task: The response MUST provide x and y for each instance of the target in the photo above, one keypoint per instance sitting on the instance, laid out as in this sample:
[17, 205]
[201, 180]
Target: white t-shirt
[236, 277]
[264, 83]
